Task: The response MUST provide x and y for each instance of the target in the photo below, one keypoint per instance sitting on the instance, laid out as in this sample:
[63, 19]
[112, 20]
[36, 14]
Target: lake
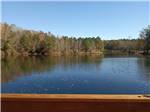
[91, 74]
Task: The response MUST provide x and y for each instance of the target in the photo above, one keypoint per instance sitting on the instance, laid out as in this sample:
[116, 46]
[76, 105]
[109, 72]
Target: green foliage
[19, 41]
[125, 45]
[87, 43]
[145, 34]
[25, 42]
[31, 42]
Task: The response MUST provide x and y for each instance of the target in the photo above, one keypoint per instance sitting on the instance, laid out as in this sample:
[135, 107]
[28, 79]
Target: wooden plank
[74, 103]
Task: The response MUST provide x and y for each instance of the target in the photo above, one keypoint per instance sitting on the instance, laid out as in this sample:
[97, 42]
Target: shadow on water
[13, 67]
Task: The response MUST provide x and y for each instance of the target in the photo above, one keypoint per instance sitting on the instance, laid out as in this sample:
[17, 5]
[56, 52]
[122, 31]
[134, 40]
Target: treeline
[18, 41]
[125, 45]
[15, 40]
[140, 45]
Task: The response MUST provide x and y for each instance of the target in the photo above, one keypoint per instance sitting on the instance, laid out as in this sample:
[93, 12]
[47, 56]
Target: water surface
[77, 74]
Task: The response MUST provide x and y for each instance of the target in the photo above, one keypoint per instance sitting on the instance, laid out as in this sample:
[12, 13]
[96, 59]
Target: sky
[109, 20]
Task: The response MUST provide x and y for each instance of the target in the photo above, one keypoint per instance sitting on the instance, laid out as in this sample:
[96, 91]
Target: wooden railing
[74, 103]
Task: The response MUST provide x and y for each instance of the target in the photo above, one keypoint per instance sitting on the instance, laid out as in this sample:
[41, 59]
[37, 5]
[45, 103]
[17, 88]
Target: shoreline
[77, 54]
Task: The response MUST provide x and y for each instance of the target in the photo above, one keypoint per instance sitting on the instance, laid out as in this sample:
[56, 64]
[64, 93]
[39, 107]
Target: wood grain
[74, 103]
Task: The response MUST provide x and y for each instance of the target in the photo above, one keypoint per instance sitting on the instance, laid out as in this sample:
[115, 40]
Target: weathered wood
[74, 103]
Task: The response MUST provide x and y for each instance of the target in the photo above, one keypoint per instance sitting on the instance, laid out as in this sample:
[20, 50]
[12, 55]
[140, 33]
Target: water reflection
[13, 68]
[144, 68]
[16, 67]
[76, 74]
